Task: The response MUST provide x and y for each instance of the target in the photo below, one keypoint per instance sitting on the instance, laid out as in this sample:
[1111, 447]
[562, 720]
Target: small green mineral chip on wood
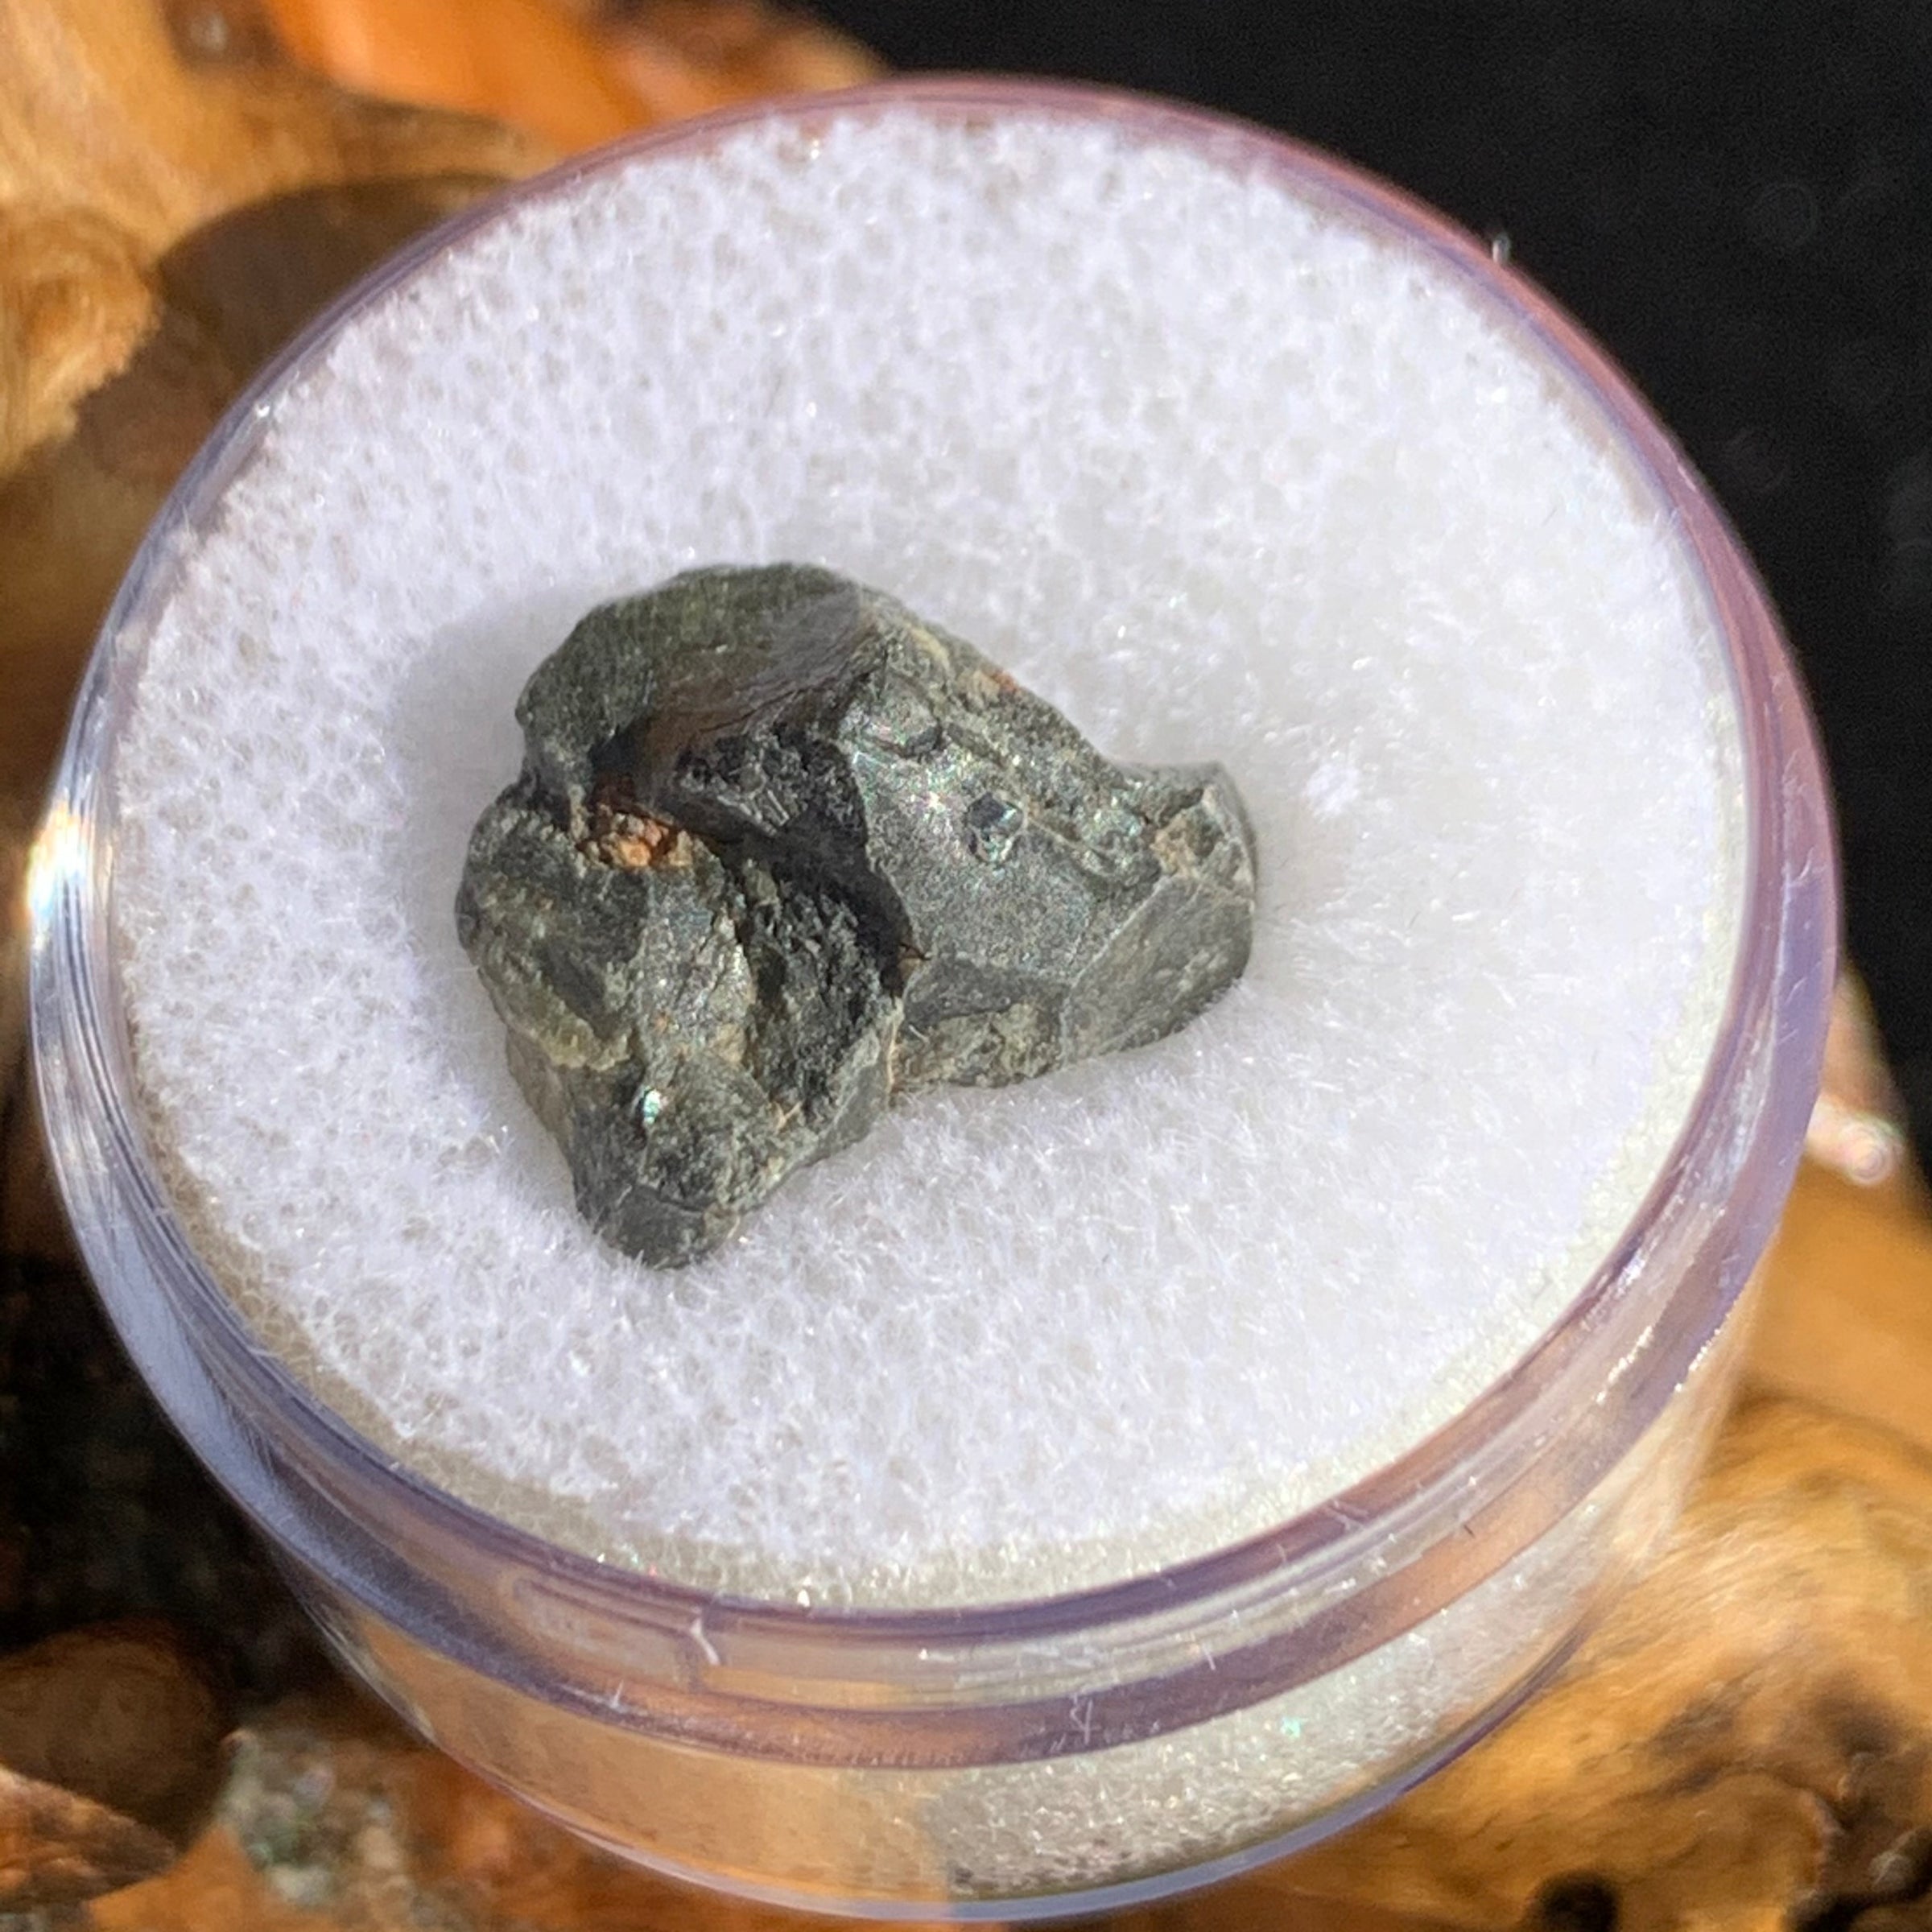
[782, 853]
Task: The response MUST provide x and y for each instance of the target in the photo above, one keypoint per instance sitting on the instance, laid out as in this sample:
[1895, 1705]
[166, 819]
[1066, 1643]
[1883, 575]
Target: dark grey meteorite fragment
[780, 852]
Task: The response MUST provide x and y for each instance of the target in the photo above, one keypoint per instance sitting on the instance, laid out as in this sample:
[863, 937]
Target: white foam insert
[1224, 475]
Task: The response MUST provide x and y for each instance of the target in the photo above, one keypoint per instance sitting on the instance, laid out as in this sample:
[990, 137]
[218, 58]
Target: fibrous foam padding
[1222, 475]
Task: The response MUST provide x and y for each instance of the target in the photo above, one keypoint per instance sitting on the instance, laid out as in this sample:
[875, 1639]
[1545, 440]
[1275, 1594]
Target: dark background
[1735, 197]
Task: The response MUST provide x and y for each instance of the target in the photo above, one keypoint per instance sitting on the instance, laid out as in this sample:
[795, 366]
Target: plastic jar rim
[74, 1003]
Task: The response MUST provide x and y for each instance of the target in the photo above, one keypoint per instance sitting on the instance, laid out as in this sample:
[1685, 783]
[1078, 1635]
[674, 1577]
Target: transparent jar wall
[1086, 1831]
[1470, 1575]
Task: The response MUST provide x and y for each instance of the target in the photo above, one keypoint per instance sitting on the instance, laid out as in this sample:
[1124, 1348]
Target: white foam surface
[1225, 477]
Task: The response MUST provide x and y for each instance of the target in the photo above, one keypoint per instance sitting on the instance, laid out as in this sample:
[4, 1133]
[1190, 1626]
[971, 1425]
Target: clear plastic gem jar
[1072, 1751]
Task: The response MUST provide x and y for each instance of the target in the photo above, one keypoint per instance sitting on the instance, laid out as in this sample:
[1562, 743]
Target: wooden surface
[1746, 1741]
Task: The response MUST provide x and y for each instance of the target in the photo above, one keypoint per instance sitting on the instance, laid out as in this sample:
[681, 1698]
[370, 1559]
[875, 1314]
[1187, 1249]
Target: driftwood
[573, 73]
[112, 1744]
[1745, 1742]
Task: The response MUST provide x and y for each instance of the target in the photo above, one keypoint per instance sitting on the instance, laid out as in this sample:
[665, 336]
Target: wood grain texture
[102, 115]
[58, 1848]
[1745, 1738]
[117, 159]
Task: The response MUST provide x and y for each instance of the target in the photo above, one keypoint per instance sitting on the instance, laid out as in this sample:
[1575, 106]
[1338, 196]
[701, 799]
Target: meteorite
[782, 852]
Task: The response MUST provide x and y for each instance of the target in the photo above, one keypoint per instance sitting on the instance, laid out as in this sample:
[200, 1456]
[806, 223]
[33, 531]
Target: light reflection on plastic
[1865, 1148]
[57, 855]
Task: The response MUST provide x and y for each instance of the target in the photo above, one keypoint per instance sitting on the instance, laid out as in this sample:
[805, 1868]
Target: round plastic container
[1038, 1757]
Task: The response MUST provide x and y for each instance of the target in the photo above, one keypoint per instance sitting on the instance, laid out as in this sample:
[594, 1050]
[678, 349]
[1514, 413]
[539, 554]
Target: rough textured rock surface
[781, 853]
